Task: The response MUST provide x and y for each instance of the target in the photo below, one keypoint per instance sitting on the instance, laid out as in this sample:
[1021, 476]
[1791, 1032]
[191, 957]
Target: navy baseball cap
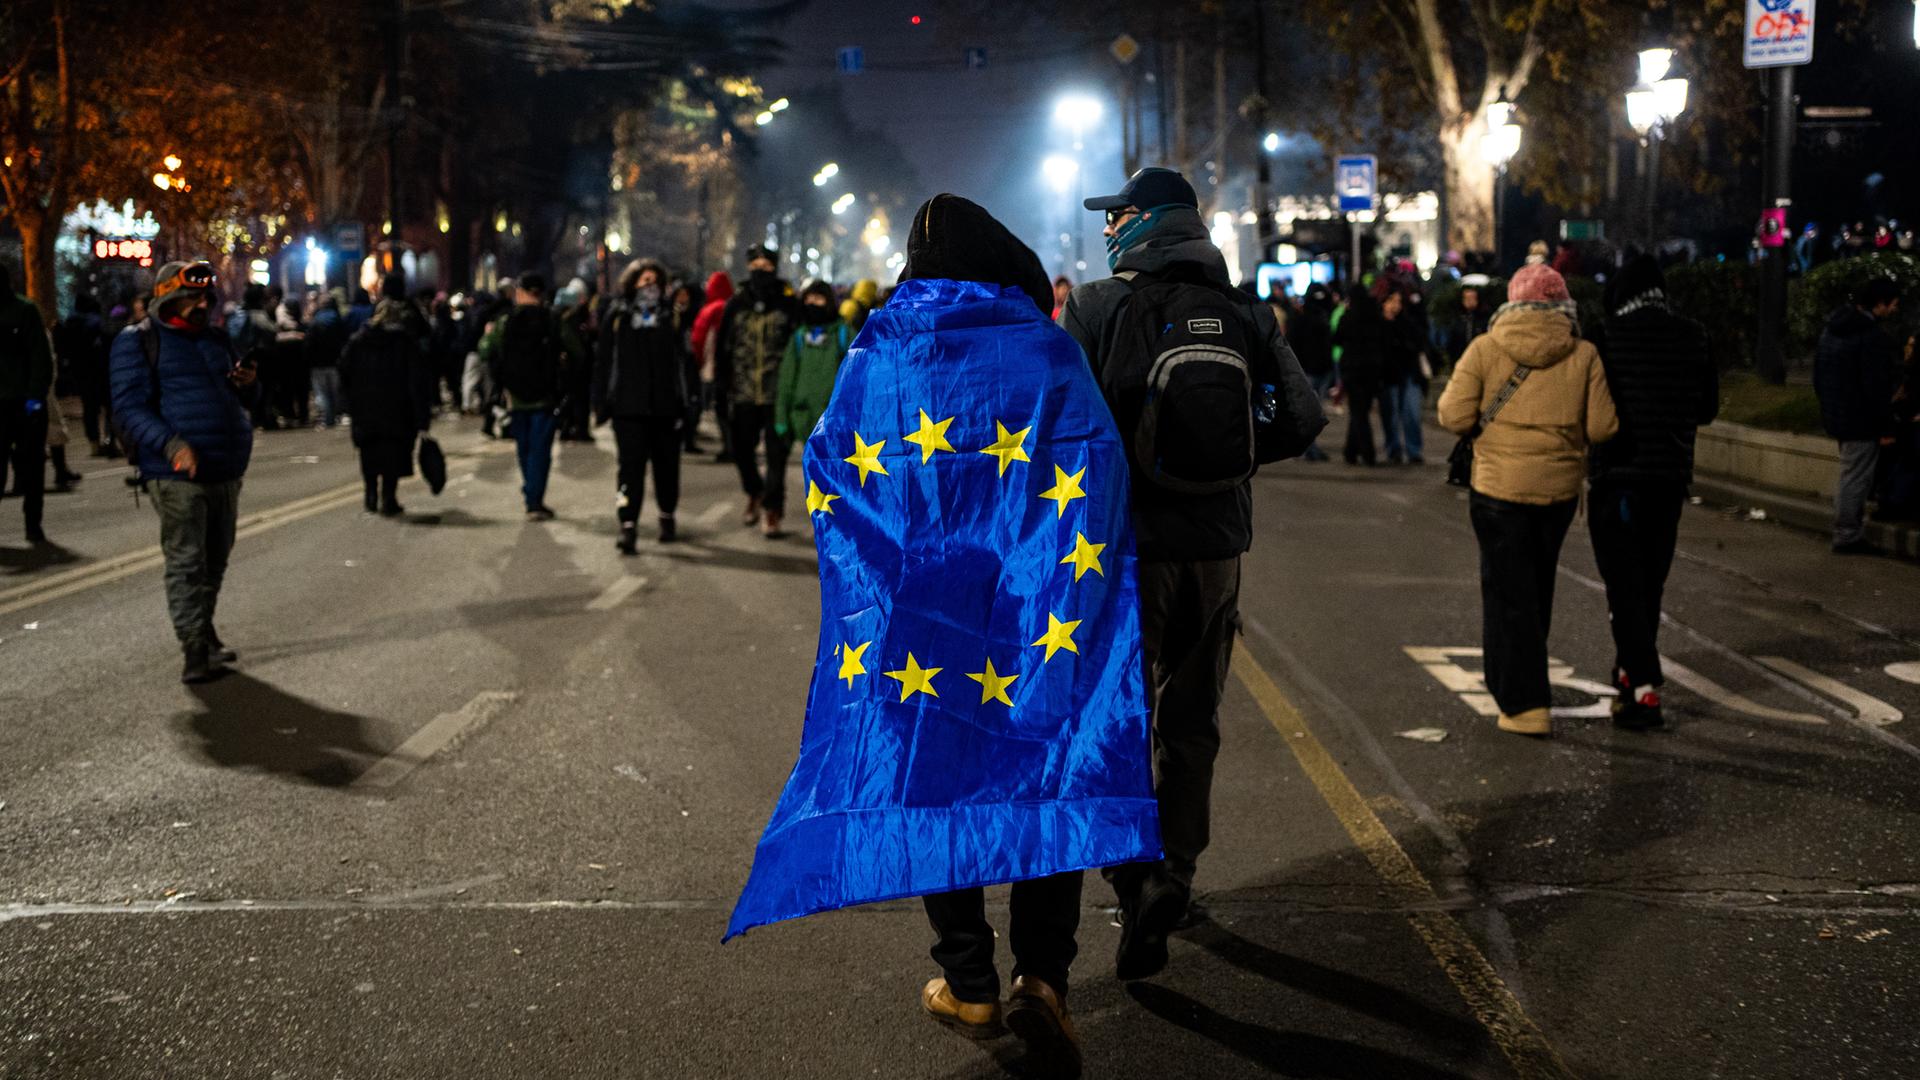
[1150, 187]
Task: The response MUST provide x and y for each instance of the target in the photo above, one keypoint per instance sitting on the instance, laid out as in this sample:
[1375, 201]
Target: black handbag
[1460, 461]
[433, 465]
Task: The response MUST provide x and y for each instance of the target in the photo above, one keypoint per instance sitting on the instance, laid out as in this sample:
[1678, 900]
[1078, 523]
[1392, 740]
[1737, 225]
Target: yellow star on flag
[818, 502]
[1085, 557]
[1009, 446]
[1065, 489]
[866, 458]
[931, 436]
[993, 685]
[1059, 636]
[915, 679]
[850, 664]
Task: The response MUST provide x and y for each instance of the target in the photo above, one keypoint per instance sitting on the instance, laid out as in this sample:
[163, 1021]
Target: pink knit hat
[1537, 283]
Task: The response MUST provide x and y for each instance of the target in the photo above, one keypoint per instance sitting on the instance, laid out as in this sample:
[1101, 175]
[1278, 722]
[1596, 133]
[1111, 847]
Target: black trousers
[1045, 916]
[1519, 557]
[23, 447]
[382, 464]
[1635, 525]
[752, 423]
[1189, 612]
[96, 414]
[1360, 399]
[641, 440]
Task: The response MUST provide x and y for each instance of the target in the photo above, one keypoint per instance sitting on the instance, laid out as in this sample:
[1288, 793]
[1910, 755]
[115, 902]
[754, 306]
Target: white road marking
[621, 588]
[1720, 695]
[440, 733]
[1870, 708]
[1396, 498]
[711, 515]
[1471, 686]
[1905, 671]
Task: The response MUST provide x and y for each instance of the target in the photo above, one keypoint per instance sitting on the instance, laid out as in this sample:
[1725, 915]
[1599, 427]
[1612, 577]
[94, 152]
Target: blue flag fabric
[978, 712]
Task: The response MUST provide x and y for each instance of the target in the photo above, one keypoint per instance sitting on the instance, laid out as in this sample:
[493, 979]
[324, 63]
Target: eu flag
[978, 713]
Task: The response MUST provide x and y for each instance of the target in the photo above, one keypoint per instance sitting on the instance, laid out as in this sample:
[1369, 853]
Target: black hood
[1639, 277]
[1179, 237]
[956, 239]
[1850, 321]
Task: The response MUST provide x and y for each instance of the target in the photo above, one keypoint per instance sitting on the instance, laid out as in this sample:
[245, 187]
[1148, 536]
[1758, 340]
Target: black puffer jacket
[1361, 338]
[1853, 373]
[638, 371]
[1664, 386]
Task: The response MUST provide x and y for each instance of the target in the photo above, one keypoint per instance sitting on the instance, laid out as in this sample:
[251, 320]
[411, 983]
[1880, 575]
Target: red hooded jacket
[719, 291]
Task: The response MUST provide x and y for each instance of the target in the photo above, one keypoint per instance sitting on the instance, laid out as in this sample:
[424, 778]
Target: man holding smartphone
[180, 397]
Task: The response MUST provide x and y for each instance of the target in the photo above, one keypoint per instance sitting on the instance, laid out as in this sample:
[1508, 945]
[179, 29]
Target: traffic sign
[1778, 33]
[1124, 48]
[349, 236]
[852, 58]
[976, 58]
[1355, 181]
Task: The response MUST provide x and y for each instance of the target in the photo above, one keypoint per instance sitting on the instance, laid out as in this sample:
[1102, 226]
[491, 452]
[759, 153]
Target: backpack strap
[1520, 373]
[843, 337]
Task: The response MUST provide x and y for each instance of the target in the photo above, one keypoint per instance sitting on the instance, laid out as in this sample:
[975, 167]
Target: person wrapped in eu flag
[977, 714]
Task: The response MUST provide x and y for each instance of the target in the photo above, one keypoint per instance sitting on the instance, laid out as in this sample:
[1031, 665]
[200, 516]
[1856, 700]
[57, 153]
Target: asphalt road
[481, 794]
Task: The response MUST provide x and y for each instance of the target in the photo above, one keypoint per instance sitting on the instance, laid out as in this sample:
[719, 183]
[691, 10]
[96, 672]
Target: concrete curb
[1799, 512]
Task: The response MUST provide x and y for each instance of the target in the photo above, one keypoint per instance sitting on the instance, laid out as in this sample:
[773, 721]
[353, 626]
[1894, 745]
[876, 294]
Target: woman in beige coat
[1528, 467]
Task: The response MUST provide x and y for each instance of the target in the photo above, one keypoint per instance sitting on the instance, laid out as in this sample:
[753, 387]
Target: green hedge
[1724, 298]
[1828, 286]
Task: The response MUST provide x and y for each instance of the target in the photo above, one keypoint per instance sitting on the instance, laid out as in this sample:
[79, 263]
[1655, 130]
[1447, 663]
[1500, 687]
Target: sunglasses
[1115, 217]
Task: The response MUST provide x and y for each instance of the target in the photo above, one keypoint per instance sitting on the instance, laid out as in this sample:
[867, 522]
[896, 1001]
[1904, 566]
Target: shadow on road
[248, 724]
[451, 519]
[1284, 1053]
[26, 560]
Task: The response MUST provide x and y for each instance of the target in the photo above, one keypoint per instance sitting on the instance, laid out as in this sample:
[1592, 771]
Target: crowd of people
[1548, 412]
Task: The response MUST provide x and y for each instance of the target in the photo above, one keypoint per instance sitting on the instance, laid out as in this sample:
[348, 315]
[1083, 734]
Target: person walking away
[529, 350]
[251, 332]
[1189, 544]
[1310, 333]
[858, 305]
[1402, 395]
[293, 389]
[574, 306]
[639, 385]
[1664, 386]
[26, 376]
[81, 342]
[682, 310]
[753, 334]
[706, 343]
[1528, 466]
[326, 340]
[180, 395]
[807, 371]
[390, 386]
[1360, 341]
[1853, 375]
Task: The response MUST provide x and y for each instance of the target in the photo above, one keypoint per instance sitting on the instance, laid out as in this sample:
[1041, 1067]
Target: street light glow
[779, 106]
[826, 173]
[1077, 111]
[842, 204]
[1059, 169]
[162, 181]
[1500, 144]
[763, 119]
[1671, 97]
[1643, 110]
[1271, 144]
[172, 162]
[1654, 64]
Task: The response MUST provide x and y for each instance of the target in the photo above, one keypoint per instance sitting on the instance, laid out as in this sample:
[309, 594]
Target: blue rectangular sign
[851, 59]
[1355, 182]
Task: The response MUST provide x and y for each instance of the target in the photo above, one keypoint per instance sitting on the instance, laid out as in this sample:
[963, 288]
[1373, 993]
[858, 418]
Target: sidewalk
[1790, 477]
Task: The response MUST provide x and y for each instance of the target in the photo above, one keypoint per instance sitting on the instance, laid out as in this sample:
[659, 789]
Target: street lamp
[1653, 103]
[826, 173]
[1059, 169]
[1078, 112]
[1271, 144]
[1497, 148]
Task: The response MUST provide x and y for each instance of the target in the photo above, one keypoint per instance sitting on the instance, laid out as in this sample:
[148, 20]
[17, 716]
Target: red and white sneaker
[1640, 711]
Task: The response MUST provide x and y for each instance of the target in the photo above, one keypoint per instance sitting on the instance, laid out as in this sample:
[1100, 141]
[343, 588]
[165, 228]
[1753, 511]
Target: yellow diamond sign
[1124, 48]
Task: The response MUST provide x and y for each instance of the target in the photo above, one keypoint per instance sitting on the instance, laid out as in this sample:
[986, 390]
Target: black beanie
[1640, 276]
[957, 239]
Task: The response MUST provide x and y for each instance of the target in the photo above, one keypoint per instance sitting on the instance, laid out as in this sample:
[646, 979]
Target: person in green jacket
[26, 373]
[813, 359]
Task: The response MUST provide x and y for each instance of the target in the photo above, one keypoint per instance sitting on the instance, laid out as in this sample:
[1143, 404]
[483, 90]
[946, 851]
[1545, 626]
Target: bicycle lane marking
[1480, 986]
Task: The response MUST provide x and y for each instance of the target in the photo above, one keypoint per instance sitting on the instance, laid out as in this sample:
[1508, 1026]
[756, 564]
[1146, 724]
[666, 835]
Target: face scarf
[817, 314]
[763, 284]
[1130, 234]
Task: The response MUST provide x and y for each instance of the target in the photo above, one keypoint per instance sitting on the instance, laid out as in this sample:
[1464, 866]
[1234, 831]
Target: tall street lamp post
[1062, 173]
[1652, 104]
[1078, 112]
[1497, 148]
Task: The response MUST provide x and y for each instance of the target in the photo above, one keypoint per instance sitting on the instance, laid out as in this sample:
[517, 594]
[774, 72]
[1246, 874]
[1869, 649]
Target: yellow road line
[93, 575]
[1479, 985]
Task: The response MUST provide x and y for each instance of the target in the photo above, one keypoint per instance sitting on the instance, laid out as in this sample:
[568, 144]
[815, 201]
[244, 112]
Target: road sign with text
[1355, 181]
[1778, 33]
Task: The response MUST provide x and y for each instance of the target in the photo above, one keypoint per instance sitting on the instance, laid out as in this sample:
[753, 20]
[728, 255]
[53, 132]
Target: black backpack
[1191, 383]
[530, 355]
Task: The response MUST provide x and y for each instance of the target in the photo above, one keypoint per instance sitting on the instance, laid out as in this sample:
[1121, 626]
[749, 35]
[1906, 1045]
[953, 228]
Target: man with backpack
[528, 351]
[180, 399]
[1204, 388]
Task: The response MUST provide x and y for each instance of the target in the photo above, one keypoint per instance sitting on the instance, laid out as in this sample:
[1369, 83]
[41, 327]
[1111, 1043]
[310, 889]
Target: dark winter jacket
[1664, 387]
[754, 329]
[638, 372]
[1853, 373]
[81, 342]
[1462, 329]
[1361, 338]
[1404, 342]
[1311, 335]
[1169, 526]
[193, 404]
[26, 358]
[326, 337]
[388, 377]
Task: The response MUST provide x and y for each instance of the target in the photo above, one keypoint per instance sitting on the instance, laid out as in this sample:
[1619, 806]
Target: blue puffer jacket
[194, 403]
